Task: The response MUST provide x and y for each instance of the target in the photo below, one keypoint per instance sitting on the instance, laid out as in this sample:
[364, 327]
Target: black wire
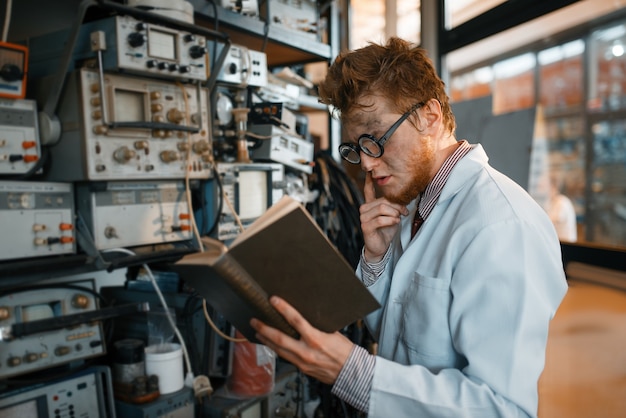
[217, 23]
[340, 196]
[204, 210]
[192, 343]
[266, 26]
[220, 197]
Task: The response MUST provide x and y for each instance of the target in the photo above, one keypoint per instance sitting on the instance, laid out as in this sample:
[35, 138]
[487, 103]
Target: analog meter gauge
[224, 109]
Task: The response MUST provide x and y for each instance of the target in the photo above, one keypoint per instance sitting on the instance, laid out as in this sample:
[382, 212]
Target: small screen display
[12, 57]
[26, 409]
[41, 311]
[253, 193]
[162, 45]
[129, 106]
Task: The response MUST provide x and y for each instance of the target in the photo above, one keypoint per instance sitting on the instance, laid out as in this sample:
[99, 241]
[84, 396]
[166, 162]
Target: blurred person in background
[561, 211]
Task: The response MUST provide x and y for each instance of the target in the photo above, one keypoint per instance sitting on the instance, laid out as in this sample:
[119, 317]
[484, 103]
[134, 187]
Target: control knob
[175, 116]
[11, 72]
[136, 39]
[123, 155]
[197, 51]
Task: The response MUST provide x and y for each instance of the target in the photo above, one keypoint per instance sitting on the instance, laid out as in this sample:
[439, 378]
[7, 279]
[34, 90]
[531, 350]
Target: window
[460, 11]
[514, 83]
[607, 71]
[377, 20]
[471, 85]
[560, 76]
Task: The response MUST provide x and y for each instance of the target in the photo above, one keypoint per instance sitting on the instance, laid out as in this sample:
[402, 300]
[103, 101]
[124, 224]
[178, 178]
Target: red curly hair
[399, 70]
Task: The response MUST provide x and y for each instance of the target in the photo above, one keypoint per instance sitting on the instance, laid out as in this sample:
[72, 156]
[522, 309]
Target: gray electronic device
[130, 45]
[37, 219]
[172, 405]
[20, 149]
[250, 188]
[127, 214]
[56, 347]
[84, 394]
[284, 400]
[283, 147]
[128, 128]
[243, 67]
[301, 17]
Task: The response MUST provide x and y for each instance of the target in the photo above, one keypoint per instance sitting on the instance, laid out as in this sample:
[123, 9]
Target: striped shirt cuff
[371, 272]
[354, 383]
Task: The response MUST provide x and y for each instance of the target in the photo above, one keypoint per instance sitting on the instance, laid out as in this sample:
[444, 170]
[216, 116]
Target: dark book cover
[283, 253]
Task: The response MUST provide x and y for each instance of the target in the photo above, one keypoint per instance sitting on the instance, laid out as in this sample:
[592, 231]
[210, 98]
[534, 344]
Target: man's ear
[433, 115]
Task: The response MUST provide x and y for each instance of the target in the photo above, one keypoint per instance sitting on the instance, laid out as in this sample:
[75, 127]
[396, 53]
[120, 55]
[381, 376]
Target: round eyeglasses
[369, 144]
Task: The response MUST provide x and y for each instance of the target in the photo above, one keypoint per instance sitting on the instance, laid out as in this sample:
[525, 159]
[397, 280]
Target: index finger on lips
[369, 192]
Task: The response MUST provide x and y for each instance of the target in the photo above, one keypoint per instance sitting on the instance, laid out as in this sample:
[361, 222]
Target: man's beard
[421, 162]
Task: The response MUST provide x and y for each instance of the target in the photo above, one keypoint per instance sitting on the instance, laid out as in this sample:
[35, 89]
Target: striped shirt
[354, 382]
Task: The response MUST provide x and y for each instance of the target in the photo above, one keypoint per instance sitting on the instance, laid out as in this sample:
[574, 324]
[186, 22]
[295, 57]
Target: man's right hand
[380, 220]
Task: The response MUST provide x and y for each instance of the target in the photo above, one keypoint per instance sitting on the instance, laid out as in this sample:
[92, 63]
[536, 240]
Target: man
[466, 301]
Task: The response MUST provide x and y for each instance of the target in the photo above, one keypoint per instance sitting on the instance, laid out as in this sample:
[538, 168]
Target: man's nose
[367, 162]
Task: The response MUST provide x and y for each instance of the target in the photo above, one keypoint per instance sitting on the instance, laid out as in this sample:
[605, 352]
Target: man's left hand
[317, 354]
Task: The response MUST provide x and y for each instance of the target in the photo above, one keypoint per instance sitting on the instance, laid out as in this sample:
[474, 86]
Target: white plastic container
[166, 361]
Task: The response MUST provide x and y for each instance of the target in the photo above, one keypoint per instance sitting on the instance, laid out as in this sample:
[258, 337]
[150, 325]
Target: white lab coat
[466, 305]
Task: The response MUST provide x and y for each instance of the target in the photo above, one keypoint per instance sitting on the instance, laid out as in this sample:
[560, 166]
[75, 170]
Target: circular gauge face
[224, 107]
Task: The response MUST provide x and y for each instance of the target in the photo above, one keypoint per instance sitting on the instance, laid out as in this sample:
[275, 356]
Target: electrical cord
[336, 208]
[266, 26]
[233, 212]
[220, 206]
[7, 20]
[216, 329]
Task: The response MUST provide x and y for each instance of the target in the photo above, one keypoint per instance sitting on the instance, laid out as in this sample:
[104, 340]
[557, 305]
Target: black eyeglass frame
[348, 148]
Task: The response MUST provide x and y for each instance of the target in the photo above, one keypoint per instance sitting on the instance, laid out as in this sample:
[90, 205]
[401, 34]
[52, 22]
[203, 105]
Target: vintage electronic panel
[283, 147]
[285, 399]
[180, 404]
[43, 350]
[13, 70]
[20, 148]
[131, 46]
[225, 100]
[250, 188]
[37, 219]
[130, 128]
[301, 16]
[128, 214]
[243, 67]
[244, 7]
[84, 394]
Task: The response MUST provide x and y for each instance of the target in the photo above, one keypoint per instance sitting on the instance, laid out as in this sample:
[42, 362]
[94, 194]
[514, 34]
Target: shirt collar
[428, 198]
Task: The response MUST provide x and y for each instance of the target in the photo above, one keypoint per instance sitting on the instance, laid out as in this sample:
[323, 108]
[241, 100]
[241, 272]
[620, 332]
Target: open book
[284, 253]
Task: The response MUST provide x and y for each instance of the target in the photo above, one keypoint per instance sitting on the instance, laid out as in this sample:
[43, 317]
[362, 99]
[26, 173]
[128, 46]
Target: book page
[213, 249]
